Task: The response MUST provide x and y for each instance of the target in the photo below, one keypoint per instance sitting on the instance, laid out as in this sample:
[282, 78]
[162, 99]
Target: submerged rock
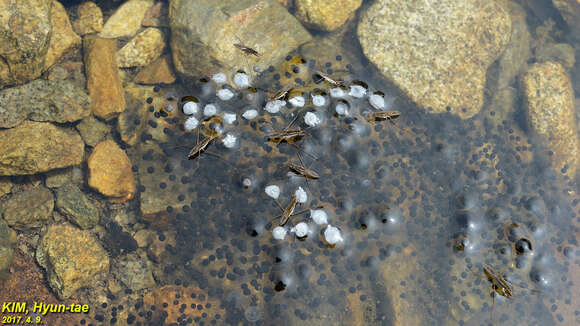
[134, 272]
[549, 102]
[103, 81]
[158, 72]
[6, 251]
[35, 147]
[92, 130]
[29, 209]
[126, 21]
[72, 258]
[90, 18]
[570, 11]
[325, 15]
[25, 30]
[142, 49]
[76, 206]
[203, 34]
[43, 100]
[63, 39]
[437, 63]
[110, 172]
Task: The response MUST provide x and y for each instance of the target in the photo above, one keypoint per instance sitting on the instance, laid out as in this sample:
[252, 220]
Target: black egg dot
[156, 89]
[288, 58]
[150, 169]
[295, 69]
[288, 75]
[151, 109]
[338, 58]
[277, 76]
[162, 185]
[149, 100]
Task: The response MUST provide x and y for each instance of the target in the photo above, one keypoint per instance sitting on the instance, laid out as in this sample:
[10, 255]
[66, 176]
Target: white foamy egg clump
[301, 229]
[377, 101]
[274, 106]
[279, 233]
[250, 114]
[301, 195]
[337, 92]
[229, 118]
[242, 80]
[311, 119]
[332, 235]
[319, 216]
[225, 94]
[341, 108]
[191, 123]
[318, 100]
[190, 108]
[297, 101]
[357, 91]
[229, 141]
[219, 78]
[273, 191]
[210, 110]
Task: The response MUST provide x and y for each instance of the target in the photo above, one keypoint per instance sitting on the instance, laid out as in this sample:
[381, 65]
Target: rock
[43, 100]
[25, 30]
[558, 52]
[92, 130]
[57, 178]
[570, 11]
[134, 272]
[6, 251]
[5, 186]
[103, 81]
[158, 72]
[126, 21]
[110, 172]
[72, 71]
[63, 39]
[437, 62]
[117, 241]
[203, 34]
[142, 49]
[76, 206]
[549, 102]
[144, 237]
[157, 15]
[90, 18]
[29, 209]
[325, 15]
[517, 52]
[134, 120]
[72, 258]
[35, 147]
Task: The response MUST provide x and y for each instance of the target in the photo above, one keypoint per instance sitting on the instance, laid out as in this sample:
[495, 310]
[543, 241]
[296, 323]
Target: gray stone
[203, 33]
[92, 130]
[513, 59]
[43, 100]
[437, 62]
[72, 258]
[35, 147]
[57, 178]
[76, 206]
[134, 272]
[29, 209]
[25, 31]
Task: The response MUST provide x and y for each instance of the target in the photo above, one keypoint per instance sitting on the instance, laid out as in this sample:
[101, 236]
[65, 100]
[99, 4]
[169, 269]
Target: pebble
[126, 21]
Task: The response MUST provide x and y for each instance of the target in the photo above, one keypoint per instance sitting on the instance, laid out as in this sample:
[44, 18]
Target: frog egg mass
[229, 117]
[242, 80]
[229, 141]
[301, 229]
[332, 235]
[319, 216]
[297, 101]
[220, 78]
[377, 101]
[274, 106]
[210, 110]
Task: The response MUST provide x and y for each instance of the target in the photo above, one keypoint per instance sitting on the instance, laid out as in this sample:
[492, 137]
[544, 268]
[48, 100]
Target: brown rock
[142, 49]
[35, 147]
[157, 15]
[126, 21]
[72, 258]
[110, 172]
[90, 18]
[549, 101]
[325, 15]
[103, 82]
[158, 72]
[63, 39]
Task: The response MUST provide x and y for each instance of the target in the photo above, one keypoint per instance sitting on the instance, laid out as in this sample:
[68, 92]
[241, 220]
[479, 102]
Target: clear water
[423, 203]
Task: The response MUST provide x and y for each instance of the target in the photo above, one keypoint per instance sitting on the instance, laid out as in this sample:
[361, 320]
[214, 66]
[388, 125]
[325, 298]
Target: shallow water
[423, 203]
